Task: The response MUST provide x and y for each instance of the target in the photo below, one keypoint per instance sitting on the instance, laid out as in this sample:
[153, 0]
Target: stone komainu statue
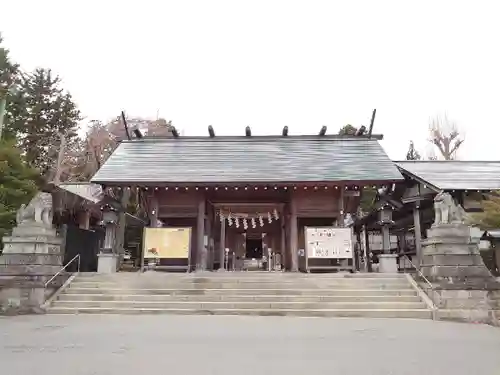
[38, 211]
[446, 211]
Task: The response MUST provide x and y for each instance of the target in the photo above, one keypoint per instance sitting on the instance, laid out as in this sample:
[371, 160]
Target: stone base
[478, 306]
[449, 256]
[107, 263]
[27, 239]
[25, 298]
[388, 263]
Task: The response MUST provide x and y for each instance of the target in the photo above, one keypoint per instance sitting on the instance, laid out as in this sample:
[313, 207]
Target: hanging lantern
[253, 223]
[261, 221]
[269, 218]
[245, 224]
[237, 222]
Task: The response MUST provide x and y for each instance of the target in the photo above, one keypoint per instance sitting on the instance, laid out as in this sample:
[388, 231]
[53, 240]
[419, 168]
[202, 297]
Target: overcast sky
[272, 63]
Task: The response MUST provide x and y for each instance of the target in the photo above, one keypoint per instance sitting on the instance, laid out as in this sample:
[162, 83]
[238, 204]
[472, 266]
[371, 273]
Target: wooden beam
[249, 204]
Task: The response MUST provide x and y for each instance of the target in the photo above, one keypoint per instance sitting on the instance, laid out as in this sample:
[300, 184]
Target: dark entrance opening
[253, 249]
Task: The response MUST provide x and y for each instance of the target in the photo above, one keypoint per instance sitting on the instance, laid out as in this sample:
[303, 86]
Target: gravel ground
[163, 344]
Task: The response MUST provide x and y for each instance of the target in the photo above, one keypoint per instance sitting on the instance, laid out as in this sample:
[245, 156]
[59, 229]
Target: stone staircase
[249, 293]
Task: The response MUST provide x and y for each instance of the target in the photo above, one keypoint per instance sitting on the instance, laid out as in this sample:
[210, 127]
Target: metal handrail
[77, 256]
[428, 295]
[420, 274]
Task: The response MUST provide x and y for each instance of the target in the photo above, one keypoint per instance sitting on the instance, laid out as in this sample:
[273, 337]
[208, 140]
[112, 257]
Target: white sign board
[329, 242]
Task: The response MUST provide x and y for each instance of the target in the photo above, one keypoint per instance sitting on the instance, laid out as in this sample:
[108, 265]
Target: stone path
[126, 345]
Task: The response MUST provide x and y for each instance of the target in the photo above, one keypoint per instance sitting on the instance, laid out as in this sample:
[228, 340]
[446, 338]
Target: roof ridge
[446, 161]
[257, 138]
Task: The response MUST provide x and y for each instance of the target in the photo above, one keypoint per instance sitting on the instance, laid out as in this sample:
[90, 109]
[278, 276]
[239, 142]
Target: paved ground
[126, 345]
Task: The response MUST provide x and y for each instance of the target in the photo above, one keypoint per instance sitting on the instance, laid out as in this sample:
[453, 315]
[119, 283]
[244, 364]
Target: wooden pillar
[84, 220]
[208, 232]
[122, 222]
[200, 237]
[418, 236]
[402, 242]
[367, 250]
[341, 207]
[222, 244]
[283, 241]
[358, 254]
[153, 211]
[294, 255]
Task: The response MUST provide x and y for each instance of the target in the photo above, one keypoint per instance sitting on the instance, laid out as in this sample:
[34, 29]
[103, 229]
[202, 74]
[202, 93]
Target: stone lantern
[388, 263]
[107, 258]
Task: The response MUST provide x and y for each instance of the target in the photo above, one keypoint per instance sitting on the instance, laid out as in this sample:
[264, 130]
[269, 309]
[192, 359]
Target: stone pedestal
[449, 256]
[107, 263]
[388, 263]
[31, 257]
[463, 287]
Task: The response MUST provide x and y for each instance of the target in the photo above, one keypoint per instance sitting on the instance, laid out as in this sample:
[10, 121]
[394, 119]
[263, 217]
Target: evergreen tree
[9, 73]
[38, 113]
[17, 185]
[8, 70]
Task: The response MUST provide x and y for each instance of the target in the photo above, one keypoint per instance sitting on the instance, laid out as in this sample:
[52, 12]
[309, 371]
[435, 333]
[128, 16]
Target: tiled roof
[248, 159]
[455, 174]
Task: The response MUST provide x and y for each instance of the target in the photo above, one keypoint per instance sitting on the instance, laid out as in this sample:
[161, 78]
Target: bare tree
[444, 134]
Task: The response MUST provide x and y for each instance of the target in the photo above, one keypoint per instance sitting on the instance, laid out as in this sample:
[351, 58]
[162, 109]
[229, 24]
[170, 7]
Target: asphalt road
[144, 345]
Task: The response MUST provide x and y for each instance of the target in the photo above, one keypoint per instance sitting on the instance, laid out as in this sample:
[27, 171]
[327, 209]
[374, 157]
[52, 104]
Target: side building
[410, 203]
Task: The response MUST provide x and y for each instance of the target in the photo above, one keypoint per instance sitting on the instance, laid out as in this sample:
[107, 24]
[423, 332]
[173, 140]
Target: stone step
[192, 305]
[408, 291]
[238, 275]
[235, 298]
[364, 313]
[397, 284]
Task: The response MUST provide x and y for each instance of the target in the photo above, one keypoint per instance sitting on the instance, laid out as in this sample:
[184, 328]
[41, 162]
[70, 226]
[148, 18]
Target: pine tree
[39, 112]
[18, 184]
[8, 70]
[9, 74]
